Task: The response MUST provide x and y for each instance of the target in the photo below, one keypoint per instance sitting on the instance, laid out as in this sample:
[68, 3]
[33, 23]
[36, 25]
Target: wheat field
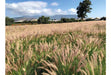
[14, 32]
[77, 48]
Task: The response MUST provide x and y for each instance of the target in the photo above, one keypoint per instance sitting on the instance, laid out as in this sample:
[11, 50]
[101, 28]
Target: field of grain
[56, 49]
[14, 32]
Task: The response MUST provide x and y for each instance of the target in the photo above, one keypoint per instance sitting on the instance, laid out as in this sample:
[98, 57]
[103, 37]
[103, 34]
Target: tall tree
[83, 9]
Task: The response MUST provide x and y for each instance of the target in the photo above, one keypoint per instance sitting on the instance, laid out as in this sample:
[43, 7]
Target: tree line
[46, 20]
[41, 20]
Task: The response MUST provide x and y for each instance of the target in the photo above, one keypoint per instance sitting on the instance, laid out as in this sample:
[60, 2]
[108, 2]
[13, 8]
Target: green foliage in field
[103, 18]
[9, 21]
[72, 53]
[90, 19]
[65, 20]
[43, 20]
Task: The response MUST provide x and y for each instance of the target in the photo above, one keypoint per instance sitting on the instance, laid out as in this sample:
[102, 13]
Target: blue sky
[17, 8]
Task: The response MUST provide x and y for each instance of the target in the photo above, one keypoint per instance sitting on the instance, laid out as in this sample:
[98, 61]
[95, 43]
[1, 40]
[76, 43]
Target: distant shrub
[29, 22]
[89, 19]
[103, 18]
[43, 20]
[9, 21]
[72, 20]
[63, 20]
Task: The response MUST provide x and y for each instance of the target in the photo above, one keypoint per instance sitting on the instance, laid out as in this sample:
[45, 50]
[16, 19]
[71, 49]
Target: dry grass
[58, 49]
[14, 32]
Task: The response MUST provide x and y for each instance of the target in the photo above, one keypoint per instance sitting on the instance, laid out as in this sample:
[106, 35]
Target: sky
[18, 8]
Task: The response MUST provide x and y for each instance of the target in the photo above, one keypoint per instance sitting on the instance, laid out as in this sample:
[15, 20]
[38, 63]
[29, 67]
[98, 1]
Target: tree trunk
[82, 18]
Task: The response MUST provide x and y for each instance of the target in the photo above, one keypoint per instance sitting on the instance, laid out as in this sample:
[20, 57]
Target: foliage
[43, 20]
[9, 21]
[65, 20]
[89, 19]
[83, 9]
[103, 18]
[73, 20]
[30, 22]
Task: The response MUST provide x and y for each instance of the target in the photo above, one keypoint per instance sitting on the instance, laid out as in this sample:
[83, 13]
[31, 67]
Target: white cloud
[60, 11]
[66, 12]
[48, 11]
[72, 11]
[54, 4]
[30, 8]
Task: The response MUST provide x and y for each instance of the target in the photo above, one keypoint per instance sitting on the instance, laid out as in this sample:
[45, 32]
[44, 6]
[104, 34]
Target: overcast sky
[17, 8]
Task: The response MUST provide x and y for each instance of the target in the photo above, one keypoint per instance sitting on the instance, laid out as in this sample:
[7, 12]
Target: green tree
[9, 21]
[89, 19]
[72, 20]
[65, 20]
[83, 9]
[103, 18]
[43, 20]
